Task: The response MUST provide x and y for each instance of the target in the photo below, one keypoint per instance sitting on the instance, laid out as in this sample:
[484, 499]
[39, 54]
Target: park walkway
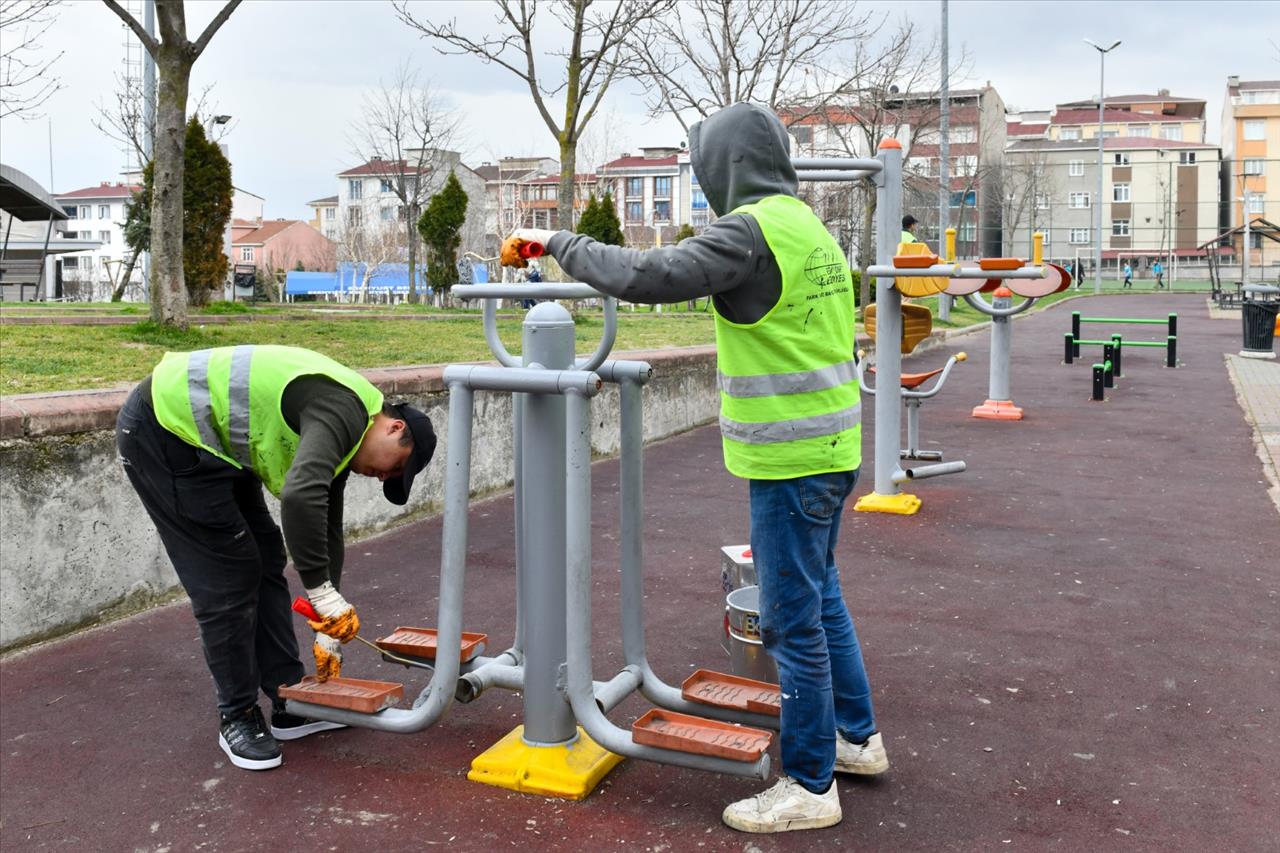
[1072, 647]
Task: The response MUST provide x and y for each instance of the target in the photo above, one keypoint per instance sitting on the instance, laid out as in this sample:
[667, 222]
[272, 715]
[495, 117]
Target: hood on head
[741, 155]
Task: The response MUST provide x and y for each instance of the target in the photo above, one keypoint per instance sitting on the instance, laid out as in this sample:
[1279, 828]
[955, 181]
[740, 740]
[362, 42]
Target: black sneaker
[244, 738]
[286, 726]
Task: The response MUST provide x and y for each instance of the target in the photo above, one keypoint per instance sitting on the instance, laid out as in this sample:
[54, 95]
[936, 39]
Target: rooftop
[1083, 116]
[106, 189]
[264, 232]
[1110, 143]
[321, 202]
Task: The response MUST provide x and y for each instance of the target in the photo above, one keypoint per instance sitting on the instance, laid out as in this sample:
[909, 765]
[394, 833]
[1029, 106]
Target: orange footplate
[732, 691]
[687, 733]
[349, 694]
[422, 643]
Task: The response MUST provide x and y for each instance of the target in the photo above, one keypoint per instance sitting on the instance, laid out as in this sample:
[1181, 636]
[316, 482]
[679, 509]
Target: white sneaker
[786, 806]
[865, 760]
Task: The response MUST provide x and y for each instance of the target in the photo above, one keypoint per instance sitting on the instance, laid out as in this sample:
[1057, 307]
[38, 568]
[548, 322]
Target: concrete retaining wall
[76, 546]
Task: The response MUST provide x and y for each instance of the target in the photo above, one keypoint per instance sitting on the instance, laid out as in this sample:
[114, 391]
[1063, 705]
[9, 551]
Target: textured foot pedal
[348, 694]
[686, 733]
[422, 643]
[733, 691]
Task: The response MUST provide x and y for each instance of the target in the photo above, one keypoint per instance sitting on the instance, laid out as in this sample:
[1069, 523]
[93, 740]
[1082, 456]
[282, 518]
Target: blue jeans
[804, 623]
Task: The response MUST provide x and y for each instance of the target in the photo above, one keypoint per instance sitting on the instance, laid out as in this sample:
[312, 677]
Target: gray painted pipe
[525, 291]
[436, 697]
[831, 176]
[976, 301]
[861, 164]
[888, 424]
[924, 472]
[499, 351]
[580, 686]
[522, 379]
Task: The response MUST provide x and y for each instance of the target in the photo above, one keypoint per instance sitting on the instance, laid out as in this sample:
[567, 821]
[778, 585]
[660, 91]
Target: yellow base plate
[571, 771]
[900, 504]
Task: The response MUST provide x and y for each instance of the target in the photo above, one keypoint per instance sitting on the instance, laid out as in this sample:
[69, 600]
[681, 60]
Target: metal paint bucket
[747, 656]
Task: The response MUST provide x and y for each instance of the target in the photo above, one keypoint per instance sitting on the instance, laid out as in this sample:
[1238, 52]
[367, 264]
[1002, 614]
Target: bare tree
[592, 62]
[1028, 187]
[174, 55]
[404, 126]
[26, 79]
[707, 54]
[368, 247]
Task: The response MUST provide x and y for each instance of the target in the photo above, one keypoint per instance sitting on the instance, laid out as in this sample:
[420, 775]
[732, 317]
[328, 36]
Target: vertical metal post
[944, 163]
[1098, 384]
[888, 321]
[148, 117]
[1068, 352]
[1001, 350]
[1102, 100]
[1117, 348]
[1171, 352]
[1108, 366]
[631, 535]
[548, 342]
[1173, 325]
[1075, 325]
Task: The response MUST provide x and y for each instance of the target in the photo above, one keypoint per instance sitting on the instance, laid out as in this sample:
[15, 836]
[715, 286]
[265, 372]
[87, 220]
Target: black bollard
[1108, 372]
[1171, 352]
[1117, 344]
[1098, 383]
[1068, 353]
[1173, 325]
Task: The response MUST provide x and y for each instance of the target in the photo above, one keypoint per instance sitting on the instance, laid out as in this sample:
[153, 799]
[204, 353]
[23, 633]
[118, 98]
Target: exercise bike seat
[914, 380]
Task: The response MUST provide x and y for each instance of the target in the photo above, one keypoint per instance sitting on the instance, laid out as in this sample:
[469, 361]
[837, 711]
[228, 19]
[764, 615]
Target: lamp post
[1102, 100]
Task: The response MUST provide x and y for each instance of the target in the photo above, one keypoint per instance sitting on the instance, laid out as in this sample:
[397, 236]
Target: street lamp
[1102, 100]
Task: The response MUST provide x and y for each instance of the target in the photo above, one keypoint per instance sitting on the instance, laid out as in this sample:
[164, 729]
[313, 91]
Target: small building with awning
[30, 224]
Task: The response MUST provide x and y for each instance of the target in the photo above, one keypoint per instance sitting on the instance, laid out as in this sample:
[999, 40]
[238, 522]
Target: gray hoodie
[740, 155]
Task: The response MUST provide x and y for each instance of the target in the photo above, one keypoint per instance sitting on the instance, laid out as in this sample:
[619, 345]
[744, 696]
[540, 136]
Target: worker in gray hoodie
[790, 424]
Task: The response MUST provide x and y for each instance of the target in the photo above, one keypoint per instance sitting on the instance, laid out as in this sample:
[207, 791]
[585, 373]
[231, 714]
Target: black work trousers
[226, 549]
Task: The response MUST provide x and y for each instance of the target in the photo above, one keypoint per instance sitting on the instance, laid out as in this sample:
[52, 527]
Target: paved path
[1073, 647]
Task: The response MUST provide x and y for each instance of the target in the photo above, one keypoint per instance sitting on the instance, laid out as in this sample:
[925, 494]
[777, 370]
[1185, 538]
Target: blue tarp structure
[348, 278]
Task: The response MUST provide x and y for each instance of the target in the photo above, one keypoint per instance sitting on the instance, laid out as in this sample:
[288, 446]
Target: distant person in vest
[908, 230]
[199, 438]
[790, 425]
[1157, 269]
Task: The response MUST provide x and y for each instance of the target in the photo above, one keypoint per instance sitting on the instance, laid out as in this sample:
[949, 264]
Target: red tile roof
[268, 230]
[1017, 128]
[102, 191]
[1116, 116]
[378, 168]
[640, 162]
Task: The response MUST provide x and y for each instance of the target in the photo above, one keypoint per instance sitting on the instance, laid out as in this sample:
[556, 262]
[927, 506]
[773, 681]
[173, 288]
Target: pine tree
[684, 232]
[206, 202]
[440, 225]
[602, 223]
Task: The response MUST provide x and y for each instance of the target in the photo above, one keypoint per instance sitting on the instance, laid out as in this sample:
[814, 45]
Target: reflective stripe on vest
[788, 385]
[227, 401]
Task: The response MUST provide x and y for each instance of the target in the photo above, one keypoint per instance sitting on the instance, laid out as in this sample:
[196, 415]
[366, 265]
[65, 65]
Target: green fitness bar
[1159, 322]
[1128, 343]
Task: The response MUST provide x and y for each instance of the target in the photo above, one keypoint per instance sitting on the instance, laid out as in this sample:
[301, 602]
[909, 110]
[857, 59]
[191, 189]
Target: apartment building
[325, 216]
[1251, 157]
[1159, 116]
[280, 245]
[1160, 198]
[648, 191]
[97, 213]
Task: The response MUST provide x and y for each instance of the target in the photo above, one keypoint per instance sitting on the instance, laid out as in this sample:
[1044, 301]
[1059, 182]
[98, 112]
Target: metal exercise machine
[566, 743]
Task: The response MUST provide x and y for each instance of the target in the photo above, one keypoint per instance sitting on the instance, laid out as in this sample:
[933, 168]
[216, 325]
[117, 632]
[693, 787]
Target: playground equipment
[913, 399]
[999, 403]
[1072, 340]
[915, 271]
[567, 743]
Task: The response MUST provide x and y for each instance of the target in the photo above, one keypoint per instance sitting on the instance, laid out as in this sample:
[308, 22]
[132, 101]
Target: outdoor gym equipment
[913, 271]
[1052, 278]
[567, 743]
[913, 399]
[1072, 341]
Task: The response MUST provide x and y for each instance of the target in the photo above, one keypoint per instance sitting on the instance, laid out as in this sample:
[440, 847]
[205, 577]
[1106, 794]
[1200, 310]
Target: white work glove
[328, 654]
[509, 255]
[534, 235]
[338, 618]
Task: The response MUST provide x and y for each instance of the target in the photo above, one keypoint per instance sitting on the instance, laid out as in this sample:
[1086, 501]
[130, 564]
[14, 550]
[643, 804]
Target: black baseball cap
[908, 221]
[397, 489]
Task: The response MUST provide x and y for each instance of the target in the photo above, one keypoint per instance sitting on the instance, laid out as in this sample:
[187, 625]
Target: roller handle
[529, 249]
[304, 608]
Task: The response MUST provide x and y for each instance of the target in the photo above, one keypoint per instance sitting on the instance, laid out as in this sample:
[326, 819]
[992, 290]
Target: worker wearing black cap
[199, 439]
[909, 229]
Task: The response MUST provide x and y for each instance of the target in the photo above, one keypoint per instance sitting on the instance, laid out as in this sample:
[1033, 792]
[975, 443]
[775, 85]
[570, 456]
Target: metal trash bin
[1258, 323]
[747, 656]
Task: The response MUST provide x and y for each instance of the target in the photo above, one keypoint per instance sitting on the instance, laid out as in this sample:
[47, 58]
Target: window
[662, 211]
[355, 188]
[697, 200]
[70, 211]
[635, 187]
[104, 211]
[1075, 168]
[699, 220]
[967, 233]
[386, 186]
[1254, 129]
[354, 216]
[1139, 130]
[1107, 134]
[1078, 200]
[1253, 166]
[1122, 158]
[1045, 231]
[965, 166]
[85, 211]
[1120, 192]
[104, 237]
[1119, 228]
[1171, 131]
[86, 263]
[330, 213]
[246, 253]
[803, 133]
[968, 199]
[662, 187]
[1069, 133]
[635, 211]
[1042, 201]
[1256, 202]
[388, 213]
[1186, 158]
[1079, 236]
[962, 134]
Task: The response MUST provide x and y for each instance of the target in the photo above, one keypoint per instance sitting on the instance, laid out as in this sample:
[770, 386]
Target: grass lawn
[40, 358]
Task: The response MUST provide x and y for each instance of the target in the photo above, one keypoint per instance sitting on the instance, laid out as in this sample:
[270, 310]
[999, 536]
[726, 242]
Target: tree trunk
[168, 283]
[412, 231]
[568, 164]
[865, 251]
[118, 293]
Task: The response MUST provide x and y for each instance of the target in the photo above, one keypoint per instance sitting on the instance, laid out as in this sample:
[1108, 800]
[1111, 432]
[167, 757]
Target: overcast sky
[292, 74]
